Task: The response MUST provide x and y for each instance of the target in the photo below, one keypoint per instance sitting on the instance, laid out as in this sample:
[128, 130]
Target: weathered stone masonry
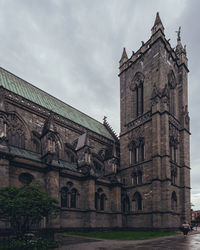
[141, 180]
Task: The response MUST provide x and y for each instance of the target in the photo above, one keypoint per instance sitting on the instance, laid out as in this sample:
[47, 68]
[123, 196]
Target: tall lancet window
[137, 86]
[172, 93]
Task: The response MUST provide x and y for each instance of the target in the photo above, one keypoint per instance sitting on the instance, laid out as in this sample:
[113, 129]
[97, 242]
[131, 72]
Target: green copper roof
[37, 157]
[25, 153]
[36, 95]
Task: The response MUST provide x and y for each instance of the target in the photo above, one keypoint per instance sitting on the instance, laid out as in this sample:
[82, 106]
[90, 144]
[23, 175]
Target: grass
[121, 235]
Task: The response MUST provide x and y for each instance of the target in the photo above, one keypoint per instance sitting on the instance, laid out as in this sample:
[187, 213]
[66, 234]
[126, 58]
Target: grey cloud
[71, 49]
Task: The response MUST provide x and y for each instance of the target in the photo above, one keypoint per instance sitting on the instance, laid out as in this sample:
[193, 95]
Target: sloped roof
[22, 88]
[37, 157]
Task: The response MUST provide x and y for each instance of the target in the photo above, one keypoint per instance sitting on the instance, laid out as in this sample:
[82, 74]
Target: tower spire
[124, 57]
[179, 46]
[157, 24]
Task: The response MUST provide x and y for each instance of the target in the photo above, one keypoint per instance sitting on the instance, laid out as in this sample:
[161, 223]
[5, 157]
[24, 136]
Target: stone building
[141, 180]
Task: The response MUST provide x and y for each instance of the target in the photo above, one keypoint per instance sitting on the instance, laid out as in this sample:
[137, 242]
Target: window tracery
[69, 196]
[100, 200]
[137, 202]
[15, 131]
[137, 177]
[136, 150]
[172, 92]
[173, 144]
[173, 175]
[137, 85]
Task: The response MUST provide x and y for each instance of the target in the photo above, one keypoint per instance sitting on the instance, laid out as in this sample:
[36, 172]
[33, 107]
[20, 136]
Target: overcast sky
[71, 49]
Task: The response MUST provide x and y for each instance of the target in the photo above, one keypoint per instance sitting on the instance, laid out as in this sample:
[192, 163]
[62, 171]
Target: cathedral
[139, 179]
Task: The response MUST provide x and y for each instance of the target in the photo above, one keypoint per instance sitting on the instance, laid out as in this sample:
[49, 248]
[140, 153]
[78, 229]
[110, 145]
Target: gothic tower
[154, 134]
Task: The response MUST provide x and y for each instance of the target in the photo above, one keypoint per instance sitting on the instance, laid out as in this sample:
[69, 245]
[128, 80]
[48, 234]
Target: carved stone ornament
[85, 170]
[3, 125]
[135, 142]
[155, 91]
[137, 133]
[102, 153]
[172, 80]
[155, 96]
[139, 120]
[174, 135]
[187, 119]
[137, 80]
[186, 115]
[15, 126]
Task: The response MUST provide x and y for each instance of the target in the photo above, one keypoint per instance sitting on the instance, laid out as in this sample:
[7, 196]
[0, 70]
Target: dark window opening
[137, 199]
[26, 178]
[137, 102]
[135, 155]
[96, 201]
[142, 99]
[64, 197]
[73, 198]
[102, 202]
[174, 201]
[142, 152]
[125, 204]
[173, 176]
[100, 199]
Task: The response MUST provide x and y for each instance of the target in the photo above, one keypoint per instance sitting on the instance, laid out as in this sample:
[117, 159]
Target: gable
[22, 88]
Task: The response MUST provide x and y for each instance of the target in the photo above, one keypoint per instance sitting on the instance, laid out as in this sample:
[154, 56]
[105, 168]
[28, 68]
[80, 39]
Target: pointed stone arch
[17, 130]
[137, 202]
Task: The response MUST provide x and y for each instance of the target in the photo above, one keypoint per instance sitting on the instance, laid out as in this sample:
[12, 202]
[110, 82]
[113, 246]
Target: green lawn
[121, 235]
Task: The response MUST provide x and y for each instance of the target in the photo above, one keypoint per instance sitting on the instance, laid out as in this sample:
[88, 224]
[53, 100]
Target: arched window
[173, 149]
[125, 204]
[137, 150]
[133, 152]
[73, 198]
[137, 202]
[139, 99]
[135, 180]
[64, 197]
[174, 201]
[173, 176]
[102, 202]
[96, 201]
[172, 92]
[53, 145]
[16, 139]
[15, 130]
[135, 155]
[137, 86]
[139, 93]
[142, 152]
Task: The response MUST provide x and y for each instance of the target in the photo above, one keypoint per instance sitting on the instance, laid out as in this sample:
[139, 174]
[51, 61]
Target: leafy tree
[25, 206]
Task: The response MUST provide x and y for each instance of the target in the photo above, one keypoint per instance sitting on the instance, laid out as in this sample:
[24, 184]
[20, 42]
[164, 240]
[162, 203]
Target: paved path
[179, 242]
